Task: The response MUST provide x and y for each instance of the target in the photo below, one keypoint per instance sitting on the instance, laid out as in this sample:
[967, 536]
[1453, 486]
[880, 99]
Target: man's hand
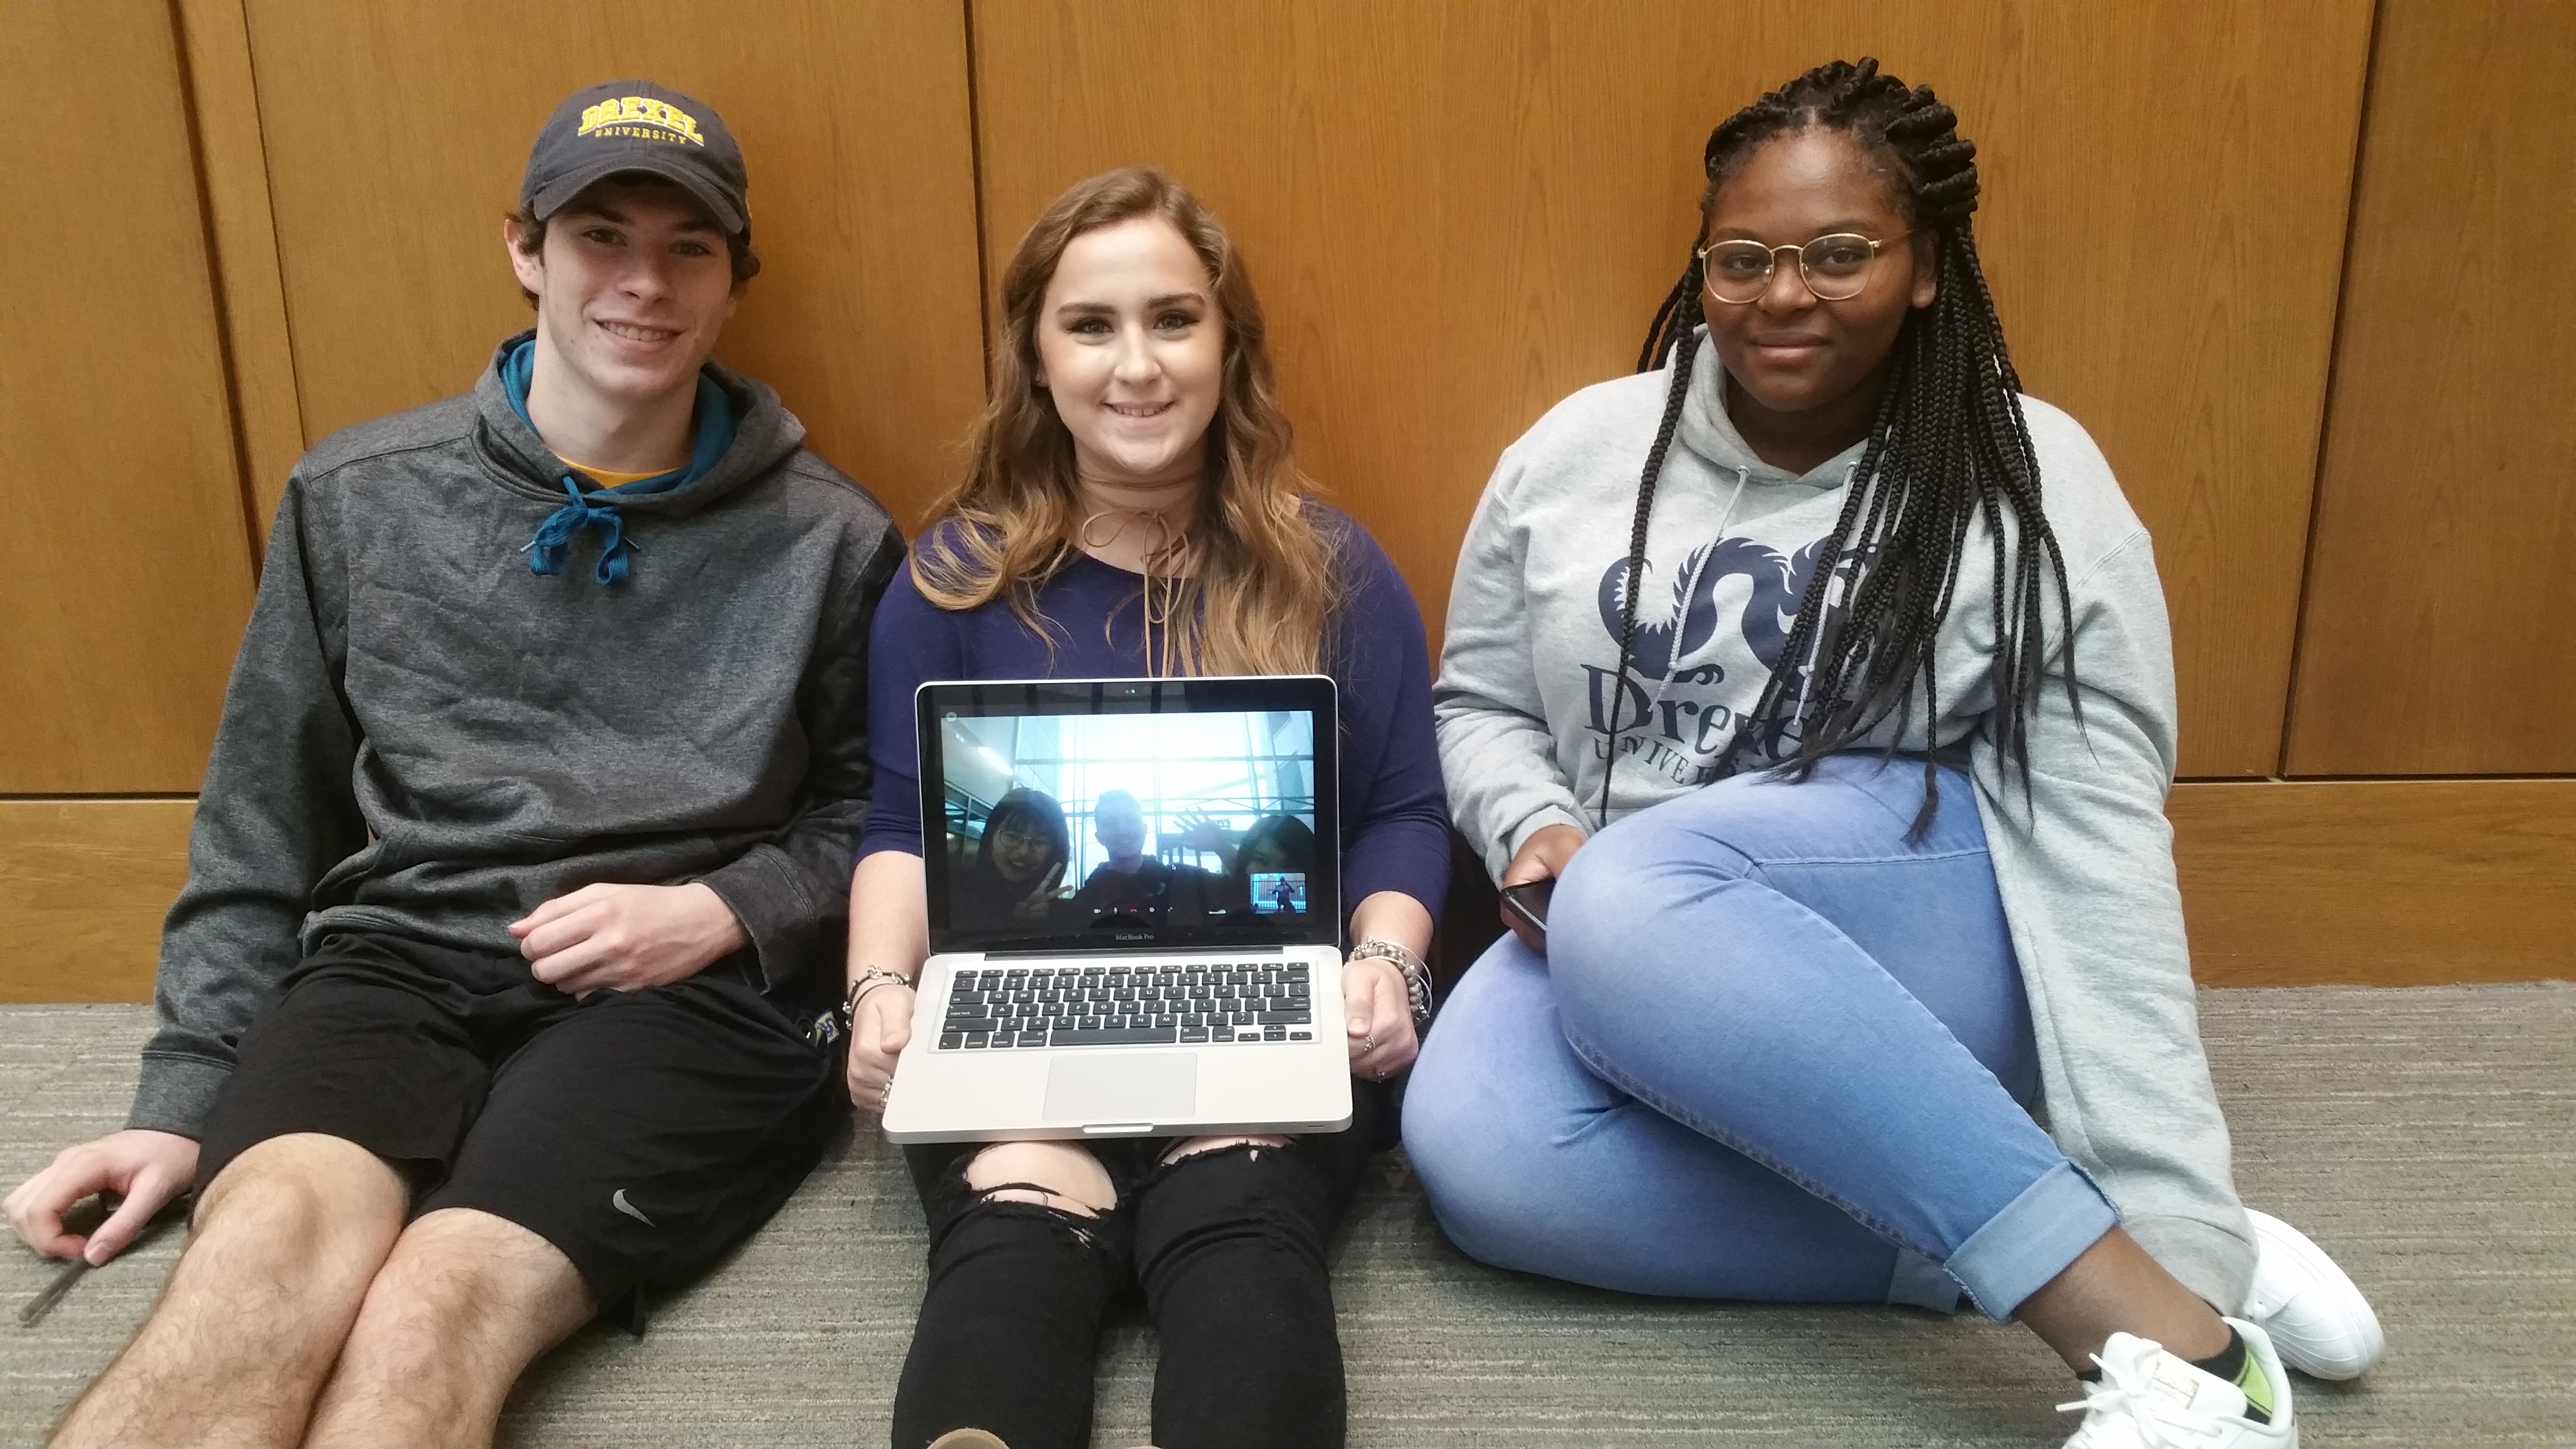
[1378, 1018]
[878, 1031]
[1541, 857]
[148, 1168]
[627, 937]
[1200, 831]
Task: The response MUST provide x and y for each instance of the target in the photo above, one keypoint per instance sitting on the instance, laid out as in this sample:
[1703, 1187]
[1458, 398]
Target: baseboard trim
[2377, 882]
[83, 887]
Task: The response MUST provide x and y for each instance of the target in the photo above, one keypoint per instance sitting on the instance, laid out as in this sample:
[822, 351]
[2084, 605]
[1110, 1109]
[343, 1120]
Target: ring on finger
[1368, 1043]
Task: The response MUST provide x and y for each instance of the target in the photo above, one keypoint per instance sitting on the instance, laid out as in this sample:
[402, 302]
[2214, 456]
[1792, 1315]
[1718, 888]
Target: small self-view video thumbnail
[1279, 892]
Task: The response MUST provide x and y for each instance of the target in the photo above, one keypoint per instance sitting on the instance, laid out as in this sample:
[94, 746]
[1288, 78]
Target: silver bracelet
[1417, 976]
[867, 981]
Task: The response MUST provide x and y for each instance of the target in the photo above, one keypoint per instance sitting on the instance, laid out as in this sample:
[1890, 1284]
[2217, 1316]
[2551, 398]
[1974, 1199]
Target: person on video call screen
[1015, 877]
[1132, 887]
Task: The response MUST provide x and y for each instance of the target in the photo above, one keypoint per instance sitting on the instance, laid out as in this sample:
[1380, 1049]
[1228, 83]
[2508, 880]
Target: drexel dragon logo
[1676, 725]
[1684, 628]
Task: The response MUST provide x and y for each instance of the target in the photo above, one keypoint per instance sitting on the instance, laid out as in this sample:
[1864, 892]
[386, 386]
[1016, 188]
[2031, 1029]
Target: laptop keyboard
[1088, 1005]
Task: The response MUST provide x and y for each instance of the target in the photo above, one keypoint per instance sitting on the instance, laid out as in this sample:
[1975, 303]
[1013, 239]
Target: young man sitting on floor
[496, 998]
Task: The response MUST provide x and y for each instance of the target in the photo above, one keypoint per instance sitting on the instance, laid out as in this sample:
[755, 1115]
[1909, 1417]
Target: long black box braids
[1949, 445]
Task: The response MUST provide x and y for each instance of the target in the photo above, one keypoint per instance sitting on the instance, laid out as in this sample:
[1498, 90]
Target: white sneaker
[2149, 1399]
[2317, 1319]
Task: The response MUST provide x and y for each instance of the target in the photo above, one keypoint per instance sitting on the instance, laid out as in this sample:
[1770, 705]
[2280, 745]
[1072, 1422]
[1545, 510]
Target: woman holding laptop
[1133, 509]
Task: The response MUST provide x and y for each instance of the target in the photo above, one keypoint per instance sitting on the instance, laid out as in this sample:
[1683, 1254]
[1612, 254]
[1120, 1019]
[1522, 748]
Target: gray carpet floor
[2426, 1137]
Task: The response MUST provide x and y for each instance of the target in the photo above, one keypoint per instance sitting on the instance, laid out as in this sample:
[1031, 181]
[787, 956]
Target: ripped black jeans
[1228, 1249]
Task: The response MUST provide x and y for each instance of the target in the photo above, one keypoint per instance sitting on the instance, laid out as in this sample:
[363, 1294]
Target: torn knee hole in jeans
[1251, 1149]
[1044, 1174]
[1034, 1194]
[1034, 1202]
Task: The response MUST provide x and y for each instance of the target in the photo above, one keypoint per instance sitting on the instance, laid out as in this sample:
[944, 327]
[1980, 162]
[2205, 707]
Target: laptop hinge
[1060, 953]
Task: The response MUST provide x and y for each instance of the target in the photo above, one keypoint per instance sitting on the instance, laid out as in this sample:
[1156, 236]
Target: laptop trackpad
[1136, 1087]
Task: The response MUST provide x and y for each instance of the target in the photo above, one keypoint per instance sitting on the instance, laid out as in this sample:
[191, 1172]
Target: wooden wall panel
[244, 233]
[124, 575]
[2444, 571]
[2377, 882]
[83, 887]
[396, 135]
[1461, 210]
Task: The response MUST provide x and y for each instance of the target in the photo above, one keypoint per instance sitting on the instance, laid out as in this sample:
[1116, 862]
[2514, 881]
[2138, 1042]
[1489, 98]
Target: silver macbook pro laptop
[1135, 912]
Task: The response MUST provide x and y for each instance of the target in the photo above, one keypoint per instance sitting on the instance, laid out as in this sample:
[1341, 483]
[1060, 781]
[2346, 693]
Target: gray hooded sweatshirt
[2085, 864]
[424, 738]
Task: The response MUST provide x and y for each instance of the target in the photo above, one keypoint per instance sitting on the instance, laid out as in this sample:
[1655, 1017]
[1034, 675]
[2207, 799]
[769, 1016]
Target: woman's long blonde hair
[1260, 587]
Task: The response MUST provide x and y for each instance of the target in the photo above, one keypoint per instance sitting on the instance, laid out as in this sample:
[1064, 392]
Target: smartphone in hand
[1525, 909]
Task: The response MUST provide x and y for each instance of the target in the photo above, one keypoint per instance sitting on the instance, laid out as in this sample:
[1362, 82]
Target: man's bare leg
[285, 1242]
[464, 1305]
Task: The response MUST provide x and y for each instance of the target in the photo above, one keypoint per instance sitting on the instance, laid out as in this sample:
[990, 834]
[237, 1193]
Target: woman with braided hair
[1828, 678]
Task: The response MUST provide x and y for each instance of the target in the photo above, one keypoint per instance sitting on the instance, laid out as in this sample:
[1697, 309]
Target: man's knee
[458, 1269]
[307, 1191]
[1049, 1174]
[462, 1280]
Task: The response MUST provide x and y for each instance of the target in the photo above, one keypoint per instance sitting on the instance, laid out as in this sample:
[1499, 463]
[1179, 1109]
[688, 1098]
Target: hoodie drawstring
[546, 551]
[1690, 582]
[1816, 645]
[713, 419]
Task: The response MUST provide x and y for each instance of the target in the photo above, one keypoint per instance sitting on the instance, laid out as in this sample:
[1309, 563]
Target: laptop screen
[1129, 814]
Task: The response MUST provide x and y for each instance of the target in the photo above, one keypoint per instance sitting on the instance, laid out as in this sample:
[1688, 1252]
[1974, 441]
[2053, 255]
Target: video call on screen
[1064, 824]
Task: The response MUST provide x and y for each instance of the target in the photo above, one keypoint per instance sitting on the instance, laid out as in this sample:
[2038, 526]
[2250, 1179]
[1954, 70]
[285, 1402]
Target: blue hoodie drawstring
[546, 551]
[715, 427]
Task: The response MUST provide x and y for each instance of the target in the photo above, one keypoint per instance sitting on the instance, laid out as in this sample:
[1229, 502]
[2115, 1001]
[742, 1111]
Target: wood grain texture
[83, 887]
[1462, 210]
[252, 292]
[396, 136]
[2303, 883]
[124, 571]
[2378, 882]
[2444, 569]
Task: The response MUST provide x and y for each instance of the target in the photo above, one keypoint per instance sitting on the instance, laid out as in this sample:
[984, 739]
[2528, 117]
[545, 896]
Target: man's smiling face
[633, 286]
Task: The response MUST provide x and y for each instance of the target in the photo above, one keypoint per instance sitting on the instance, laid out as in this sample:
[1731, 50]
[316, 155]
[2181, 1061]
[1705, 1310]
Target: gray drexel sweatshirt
[2085, 867]
[424, 738]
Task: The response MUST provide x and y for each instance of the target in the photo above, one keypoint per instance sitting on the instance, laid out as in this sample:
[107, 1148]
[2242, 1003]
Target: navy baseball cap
[635, 125]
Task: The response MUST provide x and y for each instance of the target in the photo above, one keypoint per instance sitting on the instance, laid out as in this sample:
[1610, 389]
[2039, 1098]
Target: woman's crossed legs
[1776, 1051]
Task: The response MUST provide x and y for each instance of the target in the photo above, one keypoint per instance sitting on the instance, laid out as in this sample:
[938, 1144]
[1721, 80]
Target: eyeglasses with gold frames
[1834, 266]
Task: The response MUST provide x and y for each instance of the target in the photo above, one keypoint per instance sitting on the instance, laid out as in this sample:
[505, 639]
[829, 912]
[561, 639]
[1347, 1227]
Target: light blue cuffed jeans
[1774, 1051]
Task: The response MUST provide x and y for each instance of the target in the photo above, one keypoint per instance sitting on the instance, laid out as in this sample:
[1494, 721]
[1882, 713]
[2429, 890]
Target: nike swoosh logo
[618, 1201]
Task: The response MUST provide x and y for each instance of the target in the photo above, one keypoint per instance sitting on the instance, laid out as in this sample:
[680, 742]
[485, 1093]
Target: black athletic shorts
[644, 1134]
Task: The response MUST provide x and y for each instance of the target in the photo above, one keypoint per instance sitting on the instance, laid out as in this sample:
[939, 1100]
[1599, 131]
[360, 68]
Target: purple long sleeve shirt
[1395, 822]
